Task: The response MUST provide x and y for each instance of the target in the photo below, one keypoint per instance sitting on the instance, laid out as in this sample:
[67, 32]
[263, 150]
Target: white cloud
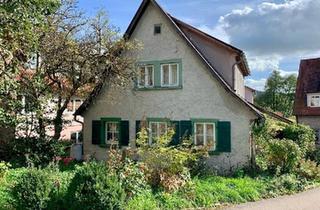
[287, 73]
[217, 32]
[256, 84]
[262, 63]
[270, 31]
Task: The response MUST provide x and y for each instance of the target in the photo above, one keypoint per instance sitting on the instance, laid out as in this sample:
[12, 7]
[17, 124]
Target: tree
[75, 54]
[279, 93]
[18, 21]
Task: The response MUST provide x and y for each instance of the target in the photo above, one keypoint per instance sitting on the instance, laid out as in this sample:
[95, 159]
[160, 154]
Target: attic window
[314, 100]
[157, 29]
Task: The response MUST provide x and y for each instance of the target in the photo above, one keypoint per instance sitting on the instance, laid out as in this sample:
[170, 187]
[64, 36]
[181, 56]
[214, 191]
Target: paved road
[308, 200]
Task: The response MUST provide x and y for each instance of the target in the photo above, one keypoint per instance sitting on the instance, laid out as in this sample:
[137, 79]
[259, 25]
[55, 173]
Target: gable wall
[202, 96]
[222, 59]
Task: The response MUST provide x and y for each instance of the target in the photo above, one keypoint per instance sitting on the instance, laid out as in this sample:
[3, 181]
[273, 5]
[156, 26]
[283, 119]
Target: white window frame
[158, 129]
[205, 134]
[311, 97]
[170, 75]
[113, 140]
[77, 140]
[146, 76]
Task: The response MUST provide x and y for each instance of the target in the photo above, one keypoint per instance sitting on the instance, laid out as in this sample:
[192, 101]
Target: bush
[133, 178]
[285, 184]
[281, 155]
[4, 167]
[94, 187]
[34, 151]
[32, 190]
[308, 169]
[167, 166]
[303, 135]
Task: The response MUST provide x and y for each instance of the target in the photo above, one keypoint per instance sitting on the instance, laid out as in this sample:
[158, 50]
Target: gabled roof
[308, 82]
[177, 24]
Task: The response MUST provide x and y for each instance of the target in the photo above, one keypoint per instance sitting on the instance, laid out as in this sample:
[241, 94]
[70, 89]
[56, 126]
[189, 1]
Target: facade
[249, 94]
[307, 99]
[71, 128]
[188, 80]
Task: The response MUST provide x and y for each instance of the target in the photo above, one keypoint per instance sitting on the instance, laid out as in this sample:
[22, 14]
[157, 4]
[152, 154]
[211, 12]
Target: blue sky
[275, 34]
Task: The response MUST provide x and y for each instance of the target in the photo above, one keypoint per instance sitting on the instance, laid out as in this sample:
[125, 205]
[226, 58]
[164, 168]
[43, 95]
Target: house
[250, 93]
[71, 128]
[307, 99]
[187, 79]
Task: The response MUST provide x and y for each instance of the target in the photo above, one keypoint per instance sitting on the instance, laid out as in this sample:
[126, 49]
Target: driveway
[308, 200]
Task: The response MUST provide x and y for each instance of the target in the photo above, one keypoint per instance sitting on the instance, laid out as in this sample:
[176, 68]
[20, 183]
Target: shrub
[303, 135]
[285, 184]
[282, 155]
[308, 169]
[32, 190]
[94, 187]
[167, 166]
[34, 151]
[4, 167]
[133, 178]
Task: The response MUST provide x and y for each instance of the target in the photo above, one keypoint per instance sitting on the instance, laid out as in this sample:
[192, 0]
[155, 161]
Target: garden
[163, 177]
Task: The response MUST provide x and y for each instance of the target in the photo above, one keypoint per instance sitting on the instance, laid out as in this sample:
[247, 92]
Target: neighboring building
[72, 129]
[187, 79]
[307, 100]
[250, 93]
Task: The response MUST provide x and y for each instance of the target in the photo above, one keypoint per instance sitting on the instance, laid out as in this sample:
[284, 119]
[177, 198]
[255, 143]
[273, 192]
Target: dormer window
[314, 100]
[157, 29]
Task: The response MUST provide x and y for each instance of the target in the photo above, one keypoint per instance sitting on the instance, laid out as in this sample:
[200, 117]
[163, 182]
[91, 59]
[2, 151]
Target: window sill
[157, 88]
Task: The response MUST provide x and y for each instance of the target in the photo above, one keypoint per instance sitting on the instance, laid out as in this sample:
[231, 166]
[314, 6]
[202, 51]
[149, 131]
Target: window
[146, 76]
[314, 100]
[157, 29]
[73, 105]
[112, 132]
[169, 75]
[76, 137]
[204, 135]
[157, 129]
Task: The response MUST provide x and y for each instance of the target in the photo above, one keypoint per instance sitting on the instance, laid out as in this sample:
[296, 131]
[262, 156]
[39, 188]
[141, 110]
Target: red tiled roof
[308, 82]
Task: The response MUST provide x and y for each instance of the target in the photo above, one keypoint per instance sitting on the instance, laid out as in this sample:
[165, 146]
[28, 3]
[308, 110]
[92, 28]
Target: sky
[274, 34]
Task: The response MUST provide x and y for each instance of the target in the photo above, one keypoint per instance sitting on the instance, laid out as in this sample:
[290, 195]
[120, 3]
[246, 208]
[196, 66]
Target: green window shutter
[185, 129]
[138, 129]
[124, 133]
[224, 137]
[176, 137]
[96, 132]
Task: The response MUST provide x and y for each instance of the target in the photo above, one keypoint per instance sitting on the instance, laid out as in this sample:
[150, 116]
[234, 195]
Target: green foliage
[279, 93]
[32, 190]
[280, 146]
[309, 170]
[285, 184]
[144, 201]
[94, 187]
[35, 151]
[132, 178]
[166, 166]
[303, 135]
[282, 155]
[4, 167]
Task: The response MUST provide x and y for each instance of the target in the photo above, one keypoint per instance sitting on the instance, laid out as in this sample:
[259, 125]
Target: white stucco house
[188, 79]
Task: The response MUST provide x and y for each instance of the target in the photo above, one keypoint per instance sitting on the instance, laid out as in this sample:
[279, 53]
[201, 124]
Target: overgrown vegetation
[161, 179]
